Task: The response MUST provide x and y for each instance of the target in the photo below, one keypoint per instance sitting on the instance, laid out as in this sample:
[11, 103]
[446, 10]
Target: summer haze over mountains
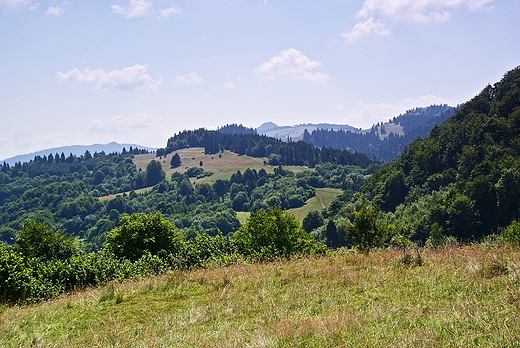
[137, 71]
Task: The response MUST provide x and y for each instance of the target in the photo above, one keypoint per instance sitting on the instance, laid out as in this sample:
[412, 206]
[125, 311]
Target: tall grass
[458, 297]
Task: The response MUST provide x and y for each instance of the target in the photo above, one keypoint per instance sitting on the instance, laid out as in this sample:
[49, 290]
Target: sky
[138, 71]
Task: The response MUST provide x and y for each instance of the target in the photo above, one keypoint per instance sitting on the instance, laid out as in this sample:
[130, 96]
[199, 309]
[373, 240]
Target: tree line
[416, 123]
[278, 152]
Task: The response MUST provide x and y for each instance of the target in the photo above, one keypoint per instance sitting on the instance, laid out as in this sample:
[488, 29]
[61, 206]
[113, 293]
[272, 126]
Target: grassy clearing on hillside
[458, 298]
[319, 202]
[221, 167]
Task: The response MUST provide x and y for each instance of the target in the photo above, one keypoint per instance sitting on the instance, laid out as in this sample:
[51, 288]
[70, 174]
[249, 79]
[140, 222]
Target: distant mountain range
[295, 132]
[76, 150]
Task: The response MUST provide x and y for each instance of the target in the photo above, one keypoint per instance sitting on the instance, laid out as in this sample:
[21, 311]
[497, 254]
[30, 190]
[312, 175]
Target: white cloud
[410, 11]
[136, 9]
[144, 8]
[190, 79]
[127, 78]
[123, 124]
[15, 2]
[55, 11]
[34, 7]
[423, 11]
[291, 64]
[362, 30]
[229, 85]
[170, 11]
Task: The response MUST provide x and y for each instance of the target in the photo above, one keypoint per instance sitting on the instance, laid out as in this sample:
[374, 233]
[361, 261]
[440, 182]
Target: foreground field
[457, 298]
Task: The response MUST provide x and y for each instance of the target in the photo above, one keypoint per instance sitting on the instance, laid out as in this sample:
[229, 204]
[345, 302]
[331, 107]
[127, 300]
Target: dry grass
[222, 165]
[341, 300]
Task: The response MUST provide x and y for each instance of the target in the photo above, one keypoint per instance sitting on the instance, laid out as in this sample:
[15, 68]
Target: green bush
[140, 234]
[38, 240]
[15, 277]
[511, 233]
[365, 230]
[274, 233]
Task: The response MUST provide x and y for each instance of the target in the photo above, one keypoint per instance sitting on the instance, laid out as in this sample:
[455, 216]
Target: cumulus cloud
[362, 30]
[414, 11]
[144, 8]
[229, 85]
[127, 78]
[54, 11]
[189, 79]
[168, 12]
[123, 124]
[136, 9]
[290, 64]
[15, 3]
[409, 11]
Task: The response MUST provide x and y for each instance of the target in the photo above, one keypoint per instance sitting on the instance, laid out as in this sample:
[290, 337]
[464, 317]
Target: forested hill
[380, 142]
[254, 145]
[236, 129]
[464, 177]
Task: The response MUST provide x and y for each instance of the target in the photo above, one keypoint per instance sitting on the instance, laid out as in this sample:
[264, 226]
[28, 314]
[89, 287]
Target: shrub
[511, 233]
[366, 231]
[38, 240]
[274, 233]
[139, 234]
[15, 276]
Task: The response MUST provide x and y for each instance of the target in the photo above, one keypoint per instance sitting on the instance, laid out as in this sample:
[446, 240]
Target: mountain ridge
[76, 150]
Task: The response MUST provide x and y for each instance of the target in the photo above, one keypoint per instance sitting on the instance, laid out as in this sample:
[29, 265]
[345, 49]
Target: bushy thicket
[143, 245]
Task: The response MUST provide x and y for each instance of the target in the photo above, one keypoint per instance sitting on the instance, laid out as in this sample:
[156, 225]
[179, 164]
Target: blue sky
[84, 72]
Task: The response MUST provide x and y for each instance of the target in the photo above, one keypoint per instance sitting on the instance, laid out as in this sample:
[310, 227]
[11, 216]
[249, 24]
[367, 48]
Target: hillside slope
[465, 175]
[383, 141]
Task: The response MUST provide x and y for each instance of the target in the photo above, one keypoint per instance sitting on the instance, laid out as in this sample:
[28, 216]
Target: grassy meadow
[222, 166]
[321, 200]
[454, 297]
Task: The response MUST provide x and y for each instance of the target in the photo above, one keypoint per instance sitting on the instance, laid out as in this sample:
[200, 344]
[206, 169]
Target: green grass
[455, 299]
[321, 200]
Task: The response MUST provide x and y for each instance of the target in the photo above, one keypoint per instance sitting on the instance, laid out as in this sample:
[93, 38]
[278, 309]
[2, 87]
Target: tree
[220, 187]
[312, 221]
[139, 234]
[176, 161]
[37, 239]
[239, 201]
[272, 233]
[331, 233]
[366, 232]
[154, 173]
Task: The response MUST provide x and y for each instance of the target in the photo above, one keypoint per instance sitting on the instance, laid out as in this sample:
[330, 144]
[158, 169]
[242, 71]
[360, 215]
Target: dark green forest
[464, 177]
[416, 123]
[278, 152]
